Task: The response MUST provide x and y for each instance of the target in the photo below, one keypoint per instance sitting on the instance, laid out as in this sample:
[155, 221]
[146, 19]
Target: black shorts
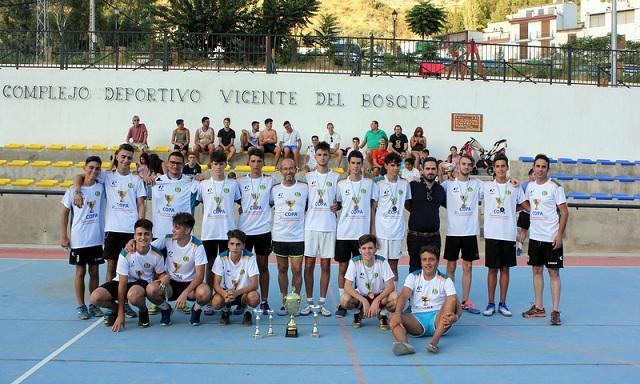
[286, 249]
[88, 255]
[414, 243]
[467, 245]
[114, 242]
[214, 247]
[499, 253]
[246, 147]
[176, 148]
[260, 244]
[524, 220]
[542, 253]
[269, 148]
[177, 287]
[112, 287]
[346, 249]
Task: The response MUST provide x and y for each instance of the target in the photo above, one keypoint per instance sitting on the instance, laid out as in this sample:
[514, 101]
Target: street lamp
[116, 13]
[394, 17]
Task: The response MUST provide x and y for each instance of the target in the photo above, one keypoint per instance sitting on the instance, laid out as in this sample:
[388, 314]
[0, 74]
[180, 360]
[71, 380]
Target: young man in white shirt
[463, 195]
[546, 198]
[235, 279]
[139, 275]
[392, 194]
[251, 139]
[356, 196]
[310, 163]
[333, 139]
[501, 201]
[84, 241]
[289, 200]
[204, 139]
[291, 143]
[434, 305]
[369, 285]
[255, 219]
[409, 172]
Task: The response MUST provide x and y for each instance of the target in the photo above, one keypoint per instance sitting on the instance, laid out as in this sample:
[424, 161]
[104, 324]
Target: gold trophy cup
[169, 199]
[122, 195]
[292, 305]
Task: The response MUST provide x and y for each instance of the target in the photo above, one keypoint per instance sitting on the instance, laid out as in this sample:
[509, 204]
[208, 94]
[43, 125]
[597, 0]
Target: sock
[322, 301]
[384, 312]
[196, 306]
[341, 291]
[164, 306]
[310, 301]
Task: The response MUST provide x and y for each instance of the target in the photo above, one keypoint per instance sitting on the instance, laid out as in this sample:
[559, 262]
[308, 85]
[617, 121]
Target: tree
[282, 17]
[327, 30]
[477, 13]
[208, 16]
[455, 20]
[425, 19]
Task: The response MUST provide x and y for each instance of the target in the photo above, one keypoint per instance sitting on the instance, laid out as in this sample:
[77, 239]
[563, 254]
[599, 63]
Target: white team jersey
[255, 218]
[322, 194]
[311, 153]
[389, 220]
[181, 262]
[139, 267]
[332, 140]
[218, 198]
[369, 280]
[500, 201]
[544, 200]
[428, 295]
[410, 175]
[168, 197]
[288, 214]
[235, 276]
[87, 225]
[462, 206]
[355, 216]
[122, 208]
[290, 139]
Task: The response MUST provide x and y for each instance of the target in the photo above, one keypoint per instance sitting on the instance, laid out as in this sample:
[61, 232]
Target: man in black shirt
[427, 196]
[398, 142]
[226, 138]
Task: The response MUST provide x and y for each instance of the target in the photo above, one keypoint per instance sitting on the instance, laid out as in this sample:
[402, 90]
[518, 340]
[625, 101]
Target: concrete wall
[95, 107]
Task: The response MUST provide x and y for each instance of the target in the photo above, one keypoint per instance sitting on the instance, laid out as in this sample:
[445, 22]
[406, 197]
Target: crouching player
[434, 305]
[235, 279]
[138, 275]
[373, 293]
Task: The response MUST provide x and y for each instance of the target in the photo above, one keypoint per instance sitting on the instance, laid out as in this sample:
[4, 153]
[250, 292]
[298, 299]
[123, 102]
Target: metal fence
[355, 56]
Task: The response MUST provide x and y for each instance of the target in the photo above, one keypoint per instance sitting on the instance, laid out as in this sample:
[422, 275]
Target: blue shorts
[428, 322]
[291, 147]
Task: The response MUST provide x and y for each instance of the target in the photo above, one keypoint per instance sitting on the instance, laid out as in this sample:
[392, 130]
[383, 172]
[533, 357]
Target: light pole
[394, 17]
[116, 14]
[614, 43]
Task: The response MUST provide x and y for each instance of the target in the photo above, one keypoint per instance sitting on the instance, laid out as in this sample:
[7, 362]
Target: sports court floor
[43, 342]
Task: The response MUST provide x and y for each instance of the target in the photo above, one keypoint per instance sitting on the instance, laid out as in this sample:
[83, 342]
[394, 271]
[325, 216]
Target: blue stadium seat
[586, 161]
[561, 176]
[578, 195]
[566, 160]
[604, 178]
[637, 197]
[601, 196]
[526, 159]
[605, 162]
[625, 163]
[622, 196]
[552, 160]
[583, 177]
[625, 179]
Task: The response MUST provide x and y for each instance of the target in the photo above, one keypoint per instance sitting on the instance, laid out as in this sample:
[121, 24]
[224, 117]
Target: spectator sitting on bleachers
[417, 142]
[310, 163]
[204, 139]
[424, 154]
[290, 143]
[138, 134]
[333, 138]
[249, 139]
[453, 159]
[372, 140]
[181, 137]
[379, 154]
[410, 173]
[398, 142]
[142, 167]
[226, 139]
[192, 167]
[355, 147]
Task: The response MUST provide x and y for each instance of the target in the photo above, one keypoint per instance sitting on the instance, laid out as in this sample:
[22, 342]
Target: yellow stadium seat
[55, 147]
[3, 162]
[204, 167]
[79, 164]
[66, 184]
[106, 165]
[47, 183]
[97, 148]
[227, 168]
[40, 163]
[114, 148]
[242, 168]
[5, 181]
[133, 166]
[76, 147]
[338, 170]
[161, 149]
[17, 163]
[22, 182]
[268, 169]
[13, 146]
[62, 164]
[34, 146]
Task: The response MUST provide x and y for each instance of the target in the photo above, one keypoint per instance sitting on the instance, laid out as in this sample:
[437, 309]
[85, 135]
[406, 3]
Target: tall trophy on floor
[292, 304]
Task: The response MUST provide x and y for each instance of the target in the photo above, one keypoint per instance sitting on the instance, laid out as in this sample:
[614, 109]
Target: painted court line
[55, 353]
[349, 344]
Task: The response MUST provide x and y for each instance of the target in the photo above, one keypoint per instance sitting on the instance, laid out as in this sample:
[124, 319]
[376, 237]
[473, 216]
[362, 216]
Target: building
[596, 15]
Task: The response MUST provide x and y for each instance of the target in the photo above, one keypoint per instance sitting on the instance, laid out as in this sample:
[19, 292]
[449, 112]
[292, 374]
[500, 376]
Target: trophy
[169, 199]
[536, 202]
[270, 329]
[316, 310]
[292, 304]
[122, 195]
[256, 334]
[290, 203]
[92, 205]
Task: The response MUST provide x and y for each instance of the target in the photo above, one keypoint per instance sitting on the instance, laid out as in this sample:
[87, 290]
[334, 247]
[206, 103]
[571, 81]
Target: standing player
[255, 218]
[392, 194]
[289, 200]
[546, 198]
[320, 227]
[356, 196]
[501, 200]
[85, 240]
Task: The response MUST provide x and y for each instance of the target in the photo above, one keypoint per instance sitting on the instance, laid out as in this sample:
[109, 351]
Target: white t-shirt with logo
[181, 262]
[87, 225]
[139, 267]
[389, 219]
[369, 279]
[121, 211]
[544, 200]
[218, 199]
[319, 216]
[290, 139]
[462, 206]
[235, 276]
[410, 175]
[311, 153]
[428, 295]
[355, 216]
[332, 140]
[500, 201]
[288, 211]
[168, 197]
[255, 218]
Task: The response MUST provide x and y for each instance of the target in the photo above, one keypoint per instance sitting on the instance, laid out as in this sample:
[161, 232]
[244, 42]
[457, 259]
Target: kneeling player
[434, 305]
[235, 279]
[374, 291]
[138, 275]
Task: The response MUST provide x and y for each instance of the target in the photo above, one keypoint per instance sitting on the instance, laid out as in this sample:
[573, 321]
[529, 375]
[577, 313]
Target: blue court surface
[43, 342]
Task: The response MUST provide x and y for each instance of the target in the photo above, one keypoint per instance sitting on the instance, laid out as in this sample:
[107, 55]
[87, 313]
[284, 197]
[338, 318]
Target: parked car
[344, 54]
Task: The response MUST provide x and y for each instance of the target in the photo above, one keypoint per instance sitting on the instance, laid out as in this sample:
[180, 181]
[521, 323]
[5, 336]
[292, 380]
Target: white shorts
[319, 243]
[391, 249]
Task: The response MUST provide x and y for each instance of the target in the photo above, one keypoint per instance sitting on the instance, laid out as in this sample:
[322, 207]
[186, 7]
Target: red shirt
[378, 156]
[137, 133]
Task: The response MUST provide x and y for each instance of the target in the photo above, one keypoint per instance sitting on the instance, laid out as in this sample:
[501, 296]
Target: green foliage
[327, 30]
[208, 16]
[425, 19]
[455, 20]
[18, 18]
[282, 17]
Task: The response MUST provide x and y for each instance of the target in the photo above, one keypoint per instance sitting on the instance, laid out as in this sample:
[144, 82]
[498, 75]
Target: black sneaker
[246, 319]
[357, 320]
[265, 307]
[165, 315]
[383, 322]
[341, 312]
[195, 317]
[110, 319]
[225, 317]
[143, 319]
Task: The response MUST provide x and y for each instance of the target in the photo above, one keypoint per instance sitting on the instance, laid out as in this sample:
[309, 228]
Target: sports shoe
[383, 322]
[504, 311]
[282, 311]
[325, 312]
[306, 310]
[195, 317]
[555, 318]
[491, 309]
[95, 311]
[400, 349]
[246, 319]
[165, 316]
[534, 312]
[225, 317]
[153, 309]
[468, 306]
[110, 319]
[265, 307]
[129, 312]
[357, 320]
[341, 312]
[208, 310]
[186, 309]
[83, 312]
[143, 319]
[239, 310]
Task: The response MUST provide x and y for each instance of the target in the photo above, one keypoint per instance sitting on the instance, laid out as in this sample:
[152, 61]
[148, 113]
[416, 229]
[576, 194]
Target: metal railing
[355, 56]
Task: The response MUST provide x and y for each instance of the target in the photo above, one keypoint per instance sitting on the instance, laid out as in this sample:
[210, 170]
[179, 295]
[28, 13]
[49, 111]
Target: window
[625, 17]
[596, 20]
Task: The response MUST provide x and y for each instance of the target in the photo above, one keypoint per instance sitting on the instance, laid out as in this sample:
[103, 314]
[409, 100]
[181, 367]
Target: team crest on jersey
[363, 190]
[329, 184]
[544, 193]
[434, 291]
[246, 187]
[130, 185]
[469, 189]
[225, 190]
[262, 187]
[97, 193]
[297, 194]
[185, 259]
[178, 189]
[147, 265]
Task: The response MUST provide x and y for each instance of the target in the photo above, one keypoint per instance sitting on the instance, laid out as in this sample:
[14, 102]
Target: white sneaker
[325, 312]
[306, 310]
[282, 311]
[504, 311]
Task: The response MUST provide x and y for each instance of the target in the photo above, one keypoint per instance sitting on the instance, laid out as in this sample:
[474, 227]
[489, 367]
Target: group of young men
[355, 220]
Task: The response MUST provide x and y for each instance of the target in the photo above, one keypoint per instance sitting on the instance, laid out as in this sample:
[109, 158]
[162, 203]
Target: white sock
[384, 312]
[164, 306]
[341, 291]
[322, 301]
[196, 306]
[309, 300]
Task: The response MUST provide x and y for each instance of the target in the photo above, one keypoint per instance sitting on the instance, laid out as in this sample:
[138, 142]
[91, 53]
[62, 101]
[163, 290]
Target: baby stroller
[483, 159]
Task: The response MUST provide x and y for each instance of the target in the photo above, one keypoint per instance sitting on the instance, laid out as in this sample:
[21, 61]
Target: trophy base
[291, 332]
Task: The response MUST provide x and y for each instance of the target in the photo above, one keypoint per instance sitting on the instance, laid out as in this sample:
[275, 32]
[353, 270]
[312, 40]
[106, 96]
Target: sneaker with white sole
[468, 306]
[341, 312]
[195, 317]
[208, 310]
[324, 311]
[129, 312]
[490, 310]
[83, 312]
[282, 311]
[504, 311]
[306, 310]
[165, 316]
[95, 311]
[264, 306]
